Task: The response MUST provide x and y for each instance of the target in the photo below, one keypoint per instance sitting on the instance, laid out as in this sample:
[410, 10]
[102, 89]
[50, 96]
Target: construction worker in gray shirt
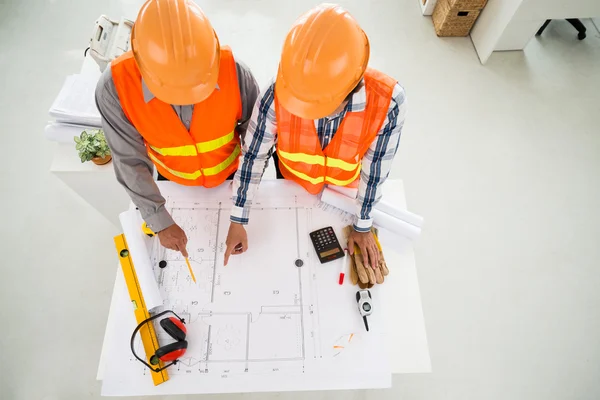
[178, 102]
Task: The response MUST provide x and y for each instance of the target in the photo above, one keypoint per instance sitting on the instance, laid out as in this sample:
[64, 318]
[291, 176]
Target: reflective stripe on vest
[198, 173]
[319, 160]
[321, 179]
[191, 150]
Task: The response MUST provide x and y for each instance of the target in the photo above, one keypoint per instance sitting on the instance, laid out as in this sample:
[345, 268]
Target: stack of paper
[63, 133]
[74, 108]
[75, 103]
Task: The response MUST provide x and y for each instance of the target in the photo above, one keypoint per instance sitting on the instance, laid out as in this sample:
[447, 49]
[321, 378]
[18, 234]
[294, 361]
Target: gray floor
[502, 160]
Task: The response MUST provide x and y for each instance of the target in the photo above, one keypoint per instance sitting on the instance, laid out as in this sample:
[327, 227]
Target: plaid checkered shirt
[261, 137]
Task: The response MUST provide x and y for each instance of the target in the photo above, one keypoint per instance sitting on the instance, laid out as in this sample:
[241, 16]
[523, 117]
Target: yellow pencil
[190, 268]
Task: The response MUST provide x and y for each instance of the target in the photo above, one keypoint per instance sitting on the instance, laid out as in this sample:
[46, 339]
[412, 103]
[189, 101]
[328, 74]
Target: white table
[409, 352]
[96, 184]
[510, 24]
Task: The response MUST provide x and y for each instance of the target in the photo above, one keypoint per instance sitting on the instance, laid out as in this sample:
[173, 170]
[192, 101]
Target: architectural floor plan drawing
[273, 319]
[244, 317]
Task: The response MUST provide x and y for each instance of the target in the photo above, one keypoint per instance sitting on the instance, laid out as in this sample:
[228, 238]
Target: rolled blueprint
[383, 205]
[346, 191]
[131, 222]
[397, 212]
[398, 221]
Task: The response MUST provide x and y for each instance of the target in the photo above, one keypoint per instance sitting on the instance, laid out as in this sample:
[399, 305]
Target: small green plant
[91, 144]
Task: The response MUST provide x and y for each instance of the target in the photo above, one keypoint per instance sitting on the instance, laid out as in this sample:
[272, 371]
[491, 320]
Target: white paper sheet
[75, 102]
[137, 242]
[401, 222]
[64, 133]
[398, 307]
[261, 323]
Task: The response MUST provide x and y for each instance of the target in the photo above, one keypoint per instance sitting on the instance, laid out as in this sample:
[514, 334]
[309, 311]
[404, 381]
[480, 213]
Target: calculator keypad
[324, 238]
[326, 244]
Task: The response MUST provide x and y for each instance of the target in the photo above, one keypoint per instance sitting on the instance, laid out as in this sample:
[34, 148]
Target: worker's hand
[237, 240]
[174, 238]
[367, 245]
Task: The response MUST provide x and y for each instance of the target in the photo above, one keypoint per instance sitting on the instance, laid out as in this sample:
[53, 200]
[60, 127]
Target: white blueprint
[261, 323]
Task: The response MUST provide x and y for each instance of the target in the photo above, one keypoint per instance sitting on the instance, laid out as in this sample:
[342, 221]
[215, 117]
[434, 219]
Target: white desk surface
[407, 339]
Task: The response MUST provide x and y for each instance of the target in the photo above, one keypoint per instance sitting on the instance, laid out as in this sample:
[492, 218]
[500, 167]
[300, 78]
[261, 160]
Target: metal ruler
[147, 333]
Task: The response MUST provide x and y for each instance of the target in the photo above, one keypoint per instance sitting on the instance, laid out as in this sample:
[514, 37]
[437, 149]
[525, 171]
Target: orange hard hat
[324, 57]
[176, 50]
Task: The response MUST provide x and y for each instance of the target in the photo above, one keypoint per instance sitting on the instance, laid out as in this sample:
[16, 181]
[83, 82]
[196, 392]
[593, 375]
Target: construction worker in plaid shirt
[327, 119]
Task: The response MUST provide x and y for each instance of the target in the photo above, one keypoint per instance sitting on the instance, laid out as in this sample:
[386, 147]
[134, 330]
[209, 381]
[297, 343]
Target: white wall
[518, 33]
[510, 24]
[427, 7]
[558, 9]
[490, 25]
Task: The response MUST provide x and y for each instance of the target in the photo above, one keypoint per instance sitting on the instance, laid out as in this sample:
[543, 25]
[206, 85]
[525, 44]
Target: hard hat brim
[301, 108]
[184, 95]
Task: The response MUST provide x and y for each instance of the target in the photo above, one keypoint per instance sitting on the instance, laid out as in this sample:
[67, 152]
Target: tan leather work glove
[361, 275]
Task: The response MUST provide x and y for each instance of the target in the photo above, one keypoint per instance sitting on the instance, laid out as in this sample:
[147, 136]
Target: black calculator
[326, 244]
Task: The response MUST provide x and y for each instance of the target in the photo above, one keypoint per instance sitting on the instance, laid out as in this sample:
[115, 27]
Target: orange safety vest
[206, 154]
[301, 157]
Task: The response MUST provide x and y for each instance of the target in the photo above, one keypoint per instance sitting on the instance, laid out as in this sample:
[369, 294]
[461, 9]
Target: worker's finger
[228, 252]
[374, 256]
[183, 250]
[365, 255]
[180, 247]
[173, 246]
[350, 245]
[244, 244]
[376, 252]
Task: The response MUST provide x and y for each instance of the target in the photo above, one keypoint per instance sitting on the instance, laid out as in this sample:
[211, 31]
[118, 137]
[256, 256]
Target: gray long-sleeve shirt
[133, 167]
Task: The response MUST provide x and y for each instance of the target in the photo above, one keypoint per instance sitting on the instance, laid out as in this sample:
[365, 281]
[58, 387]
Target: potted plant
[92, 146]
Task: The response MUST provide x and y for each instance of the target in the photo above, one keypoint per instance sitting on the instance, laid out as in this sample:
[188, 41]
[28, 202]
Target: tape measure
[147, 230]
[147, 333]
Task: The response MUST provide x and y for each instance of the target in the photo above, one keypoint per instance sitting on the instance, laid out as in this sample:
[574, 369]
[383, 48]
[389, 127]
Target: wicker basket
[451, 20]
[467, 4]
